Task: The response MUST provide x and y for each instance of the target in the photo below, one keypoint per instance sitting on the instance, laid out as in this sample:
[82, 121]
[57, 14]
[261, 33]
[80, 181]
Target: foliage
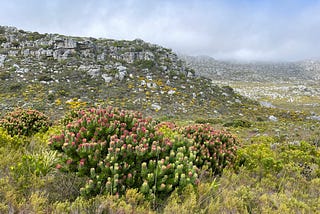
[238, 123]
[25, 122]
[144, 64]
[214, 150]
[3, 39]
[119, 149]
[267, 157]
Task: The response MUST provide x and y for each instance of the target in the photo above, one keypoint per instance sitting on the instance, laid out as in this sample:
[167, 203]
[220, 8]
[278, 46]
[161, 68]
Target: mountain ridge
[56, 73]
[306, 70]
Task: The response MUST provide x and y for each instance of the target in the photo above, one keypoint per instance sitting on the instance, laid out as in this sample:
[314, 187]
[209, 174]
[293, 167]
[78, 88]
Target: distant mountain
[56, 73]
[259, 71]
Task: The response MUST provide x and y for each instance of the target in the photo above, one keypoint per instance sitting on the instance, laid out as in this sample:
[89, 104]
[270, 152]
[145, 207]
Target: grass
[302, 96]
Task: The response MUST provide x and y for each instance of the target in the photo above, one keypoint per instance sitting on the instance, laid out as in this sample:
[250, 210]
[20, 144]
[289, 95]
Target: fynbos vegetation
[118, 150]
[194, 148]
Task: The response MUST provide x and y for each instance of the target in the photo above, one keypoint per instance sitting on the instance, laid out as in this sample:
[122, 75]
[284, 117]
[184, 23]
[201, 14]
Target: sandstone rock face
[62, 48]
[56, 73]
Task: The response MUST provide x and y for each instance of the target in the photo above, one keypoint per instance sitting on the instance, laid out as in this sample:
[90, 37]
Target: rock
[2, 59]
[170, 92]
[122, 73]
[83, 68]
[155, 106]
[267, 104]
[151, 85]
[106, 78]
[314, 117]
[164, 68]
[190, 74]
[273, 118]
[26, 52]
[94, 72]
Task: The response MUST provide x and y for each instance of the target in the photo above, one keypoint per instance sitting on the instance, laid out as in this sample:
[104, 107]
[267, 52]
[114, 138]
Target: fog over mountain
[307, 70]
[226, 30]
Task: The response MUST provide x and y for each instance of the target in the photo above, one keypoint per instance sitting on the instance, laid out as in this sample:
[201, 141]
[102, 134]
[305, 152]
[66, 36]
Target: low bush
[24, 122]
[238, 123]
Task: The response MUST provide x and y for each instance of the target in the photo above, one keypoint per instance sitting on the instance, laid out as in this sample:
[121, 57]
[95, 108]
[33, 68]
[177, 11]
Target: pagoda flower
[152, 164]
[92, 172]
[82, 162]
[150, 177]
[123, 148]
[183, 180]
[176, 178]
[126, 166]
[162, 187]
[69, 161]
[129, 148]
[145, 187]
[109, 186]
[144, 170]
[129, 181]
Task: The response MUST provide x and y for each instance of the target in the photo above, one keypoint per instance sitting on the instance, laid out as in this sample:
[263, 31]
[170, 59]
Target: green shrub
[209, 120]
[238, 123]
[120, 149]
[268, 157]
[25, 122]
[3, 39]
[213, 149]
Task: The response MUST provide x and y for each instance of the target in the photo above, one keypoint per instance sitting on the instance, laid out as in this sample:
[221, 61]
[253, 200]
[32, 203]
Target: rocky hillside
[55, 73]
[273, 71]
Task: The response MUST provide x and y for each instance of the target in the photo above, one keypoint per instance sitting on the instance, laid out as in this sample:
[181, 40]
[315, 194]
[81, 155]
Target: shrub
[25, 122]
[120, 149]
[3, 39]
[238, 123]
[214, 150]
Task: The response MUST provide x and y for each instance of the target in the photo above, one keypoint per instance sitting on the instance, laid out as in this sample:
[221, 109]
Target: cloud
[241, 30]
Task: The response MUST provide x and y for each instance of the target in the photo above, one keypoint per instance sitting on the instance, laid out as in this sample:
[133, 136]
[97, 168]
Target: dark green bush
[3, 39]
[209, 120]
[238, 123]
[24, 122]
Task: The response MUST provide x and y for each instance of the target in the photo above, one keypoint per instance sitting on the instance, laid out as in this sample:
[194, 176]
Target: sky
[243, 30]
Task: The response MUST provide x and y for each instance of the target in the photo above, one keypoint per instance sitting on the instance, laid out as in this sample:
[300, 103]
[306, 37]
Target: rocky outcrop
[55, 73]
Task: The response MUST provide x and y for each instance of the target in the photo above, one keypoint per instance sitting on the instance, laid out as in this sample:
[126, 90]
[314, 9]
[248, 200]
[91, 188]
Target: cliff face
[55, 73]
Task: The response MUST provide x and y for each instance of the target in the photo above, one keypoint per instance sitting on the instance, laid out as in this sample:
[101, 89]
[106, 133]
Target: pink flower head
[82, 161]
[143, 129]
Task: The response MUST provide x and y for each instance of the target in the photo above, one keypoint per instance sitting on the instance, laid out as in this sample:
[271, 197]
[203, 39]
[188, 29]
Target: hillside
[54, 73]
[287, 85]
[300, 71]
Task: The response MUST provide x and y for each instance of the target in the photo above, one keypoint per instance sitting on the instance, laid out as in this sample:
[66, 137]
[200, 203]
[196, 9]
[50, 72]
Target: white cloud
[243, 30]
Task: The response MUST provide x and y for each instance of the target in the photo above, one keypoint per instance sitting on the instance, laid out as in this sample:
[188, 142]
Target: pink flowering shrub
[25, 122]
[119, 149]
[213, 149]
